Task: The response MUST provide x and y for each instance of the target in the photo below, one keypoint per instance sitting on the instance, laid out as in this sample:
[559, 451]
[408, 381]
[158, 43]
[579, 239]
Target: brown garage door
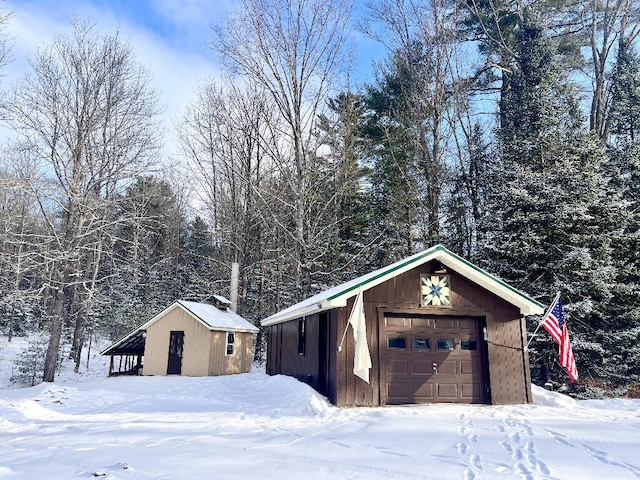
[431, 359]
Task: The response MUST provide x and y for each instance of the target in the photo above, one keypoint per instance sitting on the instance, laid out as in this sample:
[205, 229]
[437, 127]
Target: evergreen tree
[393, 184]
[621, 352]
[28, 365]
[548, 220]
[147, 273]
[625, 90]
[404, 154]
[340, 133]
[199, 254]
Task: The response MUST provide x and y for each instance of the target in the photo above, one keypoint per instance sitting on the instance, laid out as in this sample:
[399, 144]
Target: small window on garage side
[301, 336]
[231, 340]
[396, 342]
[445, 344]
[468, 344]
[421, 344]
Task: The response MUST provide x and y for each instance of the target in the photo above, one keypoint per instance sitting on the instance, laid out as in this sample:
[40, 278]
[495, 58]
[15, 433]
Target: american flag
[556, 326]
[552, 321]
[567, 360]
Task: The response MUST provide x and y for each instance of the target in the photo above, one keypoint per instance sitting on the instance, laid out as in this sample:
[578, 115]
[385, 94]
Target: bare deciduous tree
[606, 23]
[293, 49]
[422, 37]
[86, 115]
[222, 136]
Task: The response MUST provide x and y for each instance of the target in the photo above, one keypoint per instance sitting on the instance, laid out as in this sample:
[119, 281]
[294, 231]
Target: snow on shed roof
[211, 316]
[217, 319]
[337, 296]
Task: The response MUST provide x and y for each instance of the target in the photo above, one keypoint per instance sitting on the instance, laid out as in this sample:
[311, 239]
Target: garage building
[439, 329]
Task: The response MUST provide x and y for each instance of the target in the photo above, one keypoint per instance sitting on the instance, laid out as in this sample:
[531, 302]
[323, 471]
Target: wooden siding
[283, 357]
[195, 357]
[203, 351]
[286, 358]
[239, 362]
[506, 363]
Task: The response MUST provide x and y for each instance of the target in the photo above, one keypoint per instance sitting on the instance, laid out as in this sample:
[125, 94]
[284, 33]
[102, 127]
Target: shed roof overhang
[130, 344]
[338, 296]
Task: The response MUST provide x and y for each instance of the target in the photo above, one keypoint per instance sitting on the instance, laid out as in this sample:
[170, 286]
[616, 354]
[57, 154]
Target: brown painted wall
[286, 359]
[508, 365]
[320, 349]
[204, 349]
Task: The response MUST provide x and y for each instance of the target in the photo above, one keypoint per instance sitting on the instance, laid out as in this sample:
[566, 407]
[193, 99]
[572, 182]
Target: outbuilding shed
[438, 329]
[188, 338]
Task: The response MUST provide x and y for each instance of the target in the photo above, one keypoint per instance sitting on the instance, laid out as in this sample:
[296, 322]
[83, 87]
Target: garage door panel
[452, 343]
[448, 367]
[423, 390]
[448, 391]
[445, 324]
[398, 390]
[422, 322]
[422, 367]
[398, 365]
[471, 367]
[467, 324]
[472, 391]
[396, 322]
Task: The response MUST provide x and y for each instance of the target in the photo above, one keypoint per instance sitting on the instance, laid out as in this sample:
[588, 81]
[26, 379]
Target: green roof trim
[487, 274]
[430, 252]
[338, 295]
[426, 253]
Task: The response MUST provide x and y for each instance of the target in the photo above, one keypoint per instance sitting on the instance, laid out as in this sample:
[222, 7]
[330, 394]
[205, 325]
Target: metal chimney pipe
[235, 274]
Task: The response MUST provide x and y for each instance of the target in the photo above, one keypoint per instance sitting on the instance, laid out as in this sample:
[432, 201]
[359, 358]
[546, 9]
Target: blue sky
[169, 37]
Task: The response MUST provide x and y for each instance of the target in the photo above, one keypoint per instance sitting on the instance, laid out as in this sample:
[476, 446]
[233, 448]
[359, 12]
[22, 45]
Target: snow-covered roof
[338, 296]
[212, 317]
[217, 319]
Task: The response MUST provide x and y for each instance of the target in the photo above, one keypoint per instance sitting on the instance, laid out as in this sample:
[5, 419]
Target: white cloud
[177, 65]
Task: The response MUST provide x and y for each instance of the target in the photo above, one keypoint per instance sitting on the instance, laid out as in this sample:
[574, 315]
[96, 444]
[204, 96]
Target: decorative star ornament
[435, 290]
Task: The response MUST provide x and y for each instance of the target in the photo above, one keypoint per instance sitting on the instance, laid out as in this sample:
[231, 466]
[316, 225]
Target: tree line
[504, 129]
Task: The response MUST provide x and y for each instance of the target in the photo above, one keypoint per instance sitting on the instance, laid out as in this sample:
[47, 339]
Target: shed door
[176, 344]
[431, 359]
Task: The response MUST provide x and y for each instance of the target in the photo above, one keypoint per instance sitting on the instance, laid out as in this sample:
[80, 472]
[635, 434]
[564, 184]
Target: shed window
[301, 336]
[231, 339]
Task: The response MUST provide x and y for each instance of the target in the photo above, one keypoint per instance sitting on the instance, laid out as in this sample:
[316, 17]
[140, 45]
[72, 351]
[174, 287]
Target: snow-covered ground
[254, 426]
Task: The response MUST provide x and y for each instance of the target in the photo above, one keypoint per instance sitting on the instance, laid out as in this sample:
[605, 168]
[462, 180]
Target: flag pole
[346, 327]
[343, 335]
[543, 318]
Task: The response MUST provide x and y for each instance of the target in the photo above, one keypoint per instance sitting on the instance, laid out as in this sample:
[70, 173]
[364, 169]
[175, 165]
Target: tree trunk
[55, 333]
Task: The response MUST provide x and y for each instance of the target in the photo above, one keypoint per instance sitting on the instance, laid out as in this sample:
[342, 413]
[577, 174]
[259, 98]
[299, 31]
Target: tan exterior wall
[203, 351]
[239, 362]
[196, 344]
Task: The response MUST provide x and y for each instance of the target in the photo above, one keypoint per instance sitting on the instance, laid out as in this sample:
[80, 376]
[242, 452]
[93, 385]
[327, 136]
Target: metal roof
[130, 344]
[211, 317]
[337, 296]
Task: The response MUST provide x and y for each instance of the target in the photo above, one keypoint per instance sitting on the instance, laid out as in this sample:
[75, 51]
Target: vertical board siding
[195, 357]
[239, 362]
[283, 340]
[203, 350]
